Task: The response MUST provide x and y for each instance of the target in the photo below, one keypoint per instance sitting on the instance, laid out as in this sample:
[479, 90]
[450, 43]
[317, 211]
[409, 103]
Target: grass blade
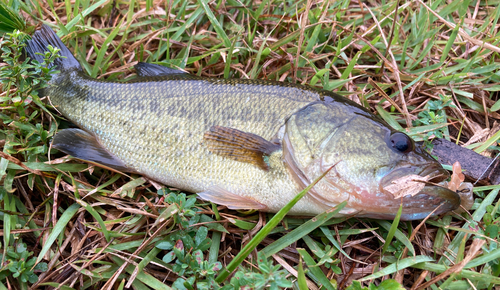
[142, 276]
[302, 230]
[58, 229]
[392, 230]
[316, 271]
[476, 216]
[397, 266]
[264, 232]
[350, 67]
[389, 119]
[218, 28]
[488, 143]
[399, 235]
[467, 274]
[84, 14]
[451, 41]
[334, 242]
[301, 279]
[104, 48]
[485, 258]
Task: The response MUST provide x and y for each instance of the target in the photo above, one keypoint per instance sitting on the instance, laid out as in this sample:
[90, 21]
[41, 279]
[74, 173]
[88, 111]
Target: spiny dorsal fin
[152, 70]
[239, 145]
[222, 196]
[85, 146]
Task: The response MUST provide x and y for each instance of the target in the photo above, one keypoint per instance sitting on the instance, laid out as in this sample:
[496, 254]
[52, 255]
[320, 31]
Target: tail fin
[45, 37]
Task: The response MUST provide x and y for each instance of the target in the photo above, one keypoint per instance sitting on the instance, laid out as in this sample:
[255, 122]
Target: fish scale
[246, 144]
[168, 146]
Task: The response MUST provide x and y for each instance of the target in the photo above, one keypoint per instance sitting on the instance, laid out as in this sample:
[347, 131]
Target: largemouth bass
[245, 144]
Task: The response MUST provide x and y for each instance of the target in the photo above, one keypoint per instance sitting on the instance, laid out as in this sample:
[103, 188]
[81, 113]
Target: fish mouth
[432, 199]
[434, 172]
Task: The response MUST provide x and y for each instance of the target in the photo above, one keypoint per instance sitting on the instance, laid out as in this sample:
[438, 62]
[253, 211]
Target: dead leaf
[457, 177]
[407, 185]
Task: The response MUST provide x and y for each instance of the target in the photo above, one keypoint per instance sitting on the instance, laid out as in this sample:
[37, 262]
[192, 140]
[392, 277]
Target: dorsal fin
[85, 146]
[153, 70]
[239, 145]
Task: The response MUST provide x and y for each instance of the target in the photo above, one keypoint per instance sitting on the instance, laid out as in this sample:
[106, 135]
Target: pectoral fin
[239, 145]
[85, 146]
[221, 196]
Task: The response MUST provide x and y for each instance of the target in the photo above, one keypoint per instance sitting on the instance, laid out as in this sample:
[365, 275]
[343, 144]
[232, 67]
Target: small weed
[388, 284]
[22, 78]
[186, 215]
[20, 105]
[435, 113]
[267, 276]
[186, 249]
[186, 246]
[17, 262]
[492, 222]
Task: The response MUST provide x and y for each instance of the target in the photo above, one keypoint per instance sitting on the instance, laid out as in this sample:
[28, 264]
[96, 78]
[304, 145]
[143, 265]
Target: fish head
[372, 166]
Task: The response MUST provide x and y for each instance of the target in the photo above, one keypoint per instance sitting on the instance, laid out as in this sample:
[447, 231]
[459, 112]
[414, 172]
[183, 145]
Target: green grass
[94, 228]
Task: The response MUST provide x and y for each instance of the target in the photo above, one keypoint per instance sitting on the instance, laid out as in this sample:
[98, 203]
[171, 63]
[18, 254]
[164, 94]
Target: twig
[395, 65]
[305, 18]
[18, 162]
[381, 92]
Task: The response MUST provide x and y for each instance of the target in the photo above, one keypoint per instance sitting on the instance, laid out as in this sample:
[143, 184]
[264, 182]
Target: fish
[243, 143]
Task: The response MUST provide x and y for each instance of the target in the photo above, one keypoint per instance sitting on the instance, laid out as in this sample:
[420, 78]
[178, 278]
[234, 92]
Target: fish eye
[401, 142]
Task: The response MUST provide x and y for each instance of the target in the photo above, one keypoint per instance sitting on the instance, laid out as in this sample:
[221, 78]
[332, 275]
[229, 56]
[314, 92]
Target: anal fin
[221, 196]
[85, 146]
[240, 146]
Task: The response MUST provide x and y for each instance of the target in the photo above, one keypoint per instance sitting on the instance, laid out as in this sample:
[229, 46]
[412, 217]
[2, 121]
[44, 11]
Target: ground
[429, 69]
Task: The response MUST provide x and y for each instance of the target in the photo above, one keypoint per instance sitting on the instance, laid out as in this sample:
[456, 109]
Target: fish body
[156, 127]
[246, 144]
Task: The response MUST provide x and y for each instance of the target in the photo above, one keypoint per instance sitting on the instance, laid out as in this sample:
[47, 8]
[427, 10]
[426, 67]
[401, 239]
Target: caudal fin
[42, 39]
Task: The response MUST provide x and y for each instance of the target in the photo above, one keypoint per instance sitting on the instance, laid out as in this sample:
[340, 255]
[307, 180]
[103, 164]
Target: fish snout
[431, 200]
[416, 188]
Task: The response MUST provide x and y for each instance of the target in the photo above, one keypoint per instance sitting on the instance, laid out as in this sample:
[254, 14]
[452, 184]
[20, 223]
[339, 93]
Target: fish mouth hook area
[419, 190]
[433, 173]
